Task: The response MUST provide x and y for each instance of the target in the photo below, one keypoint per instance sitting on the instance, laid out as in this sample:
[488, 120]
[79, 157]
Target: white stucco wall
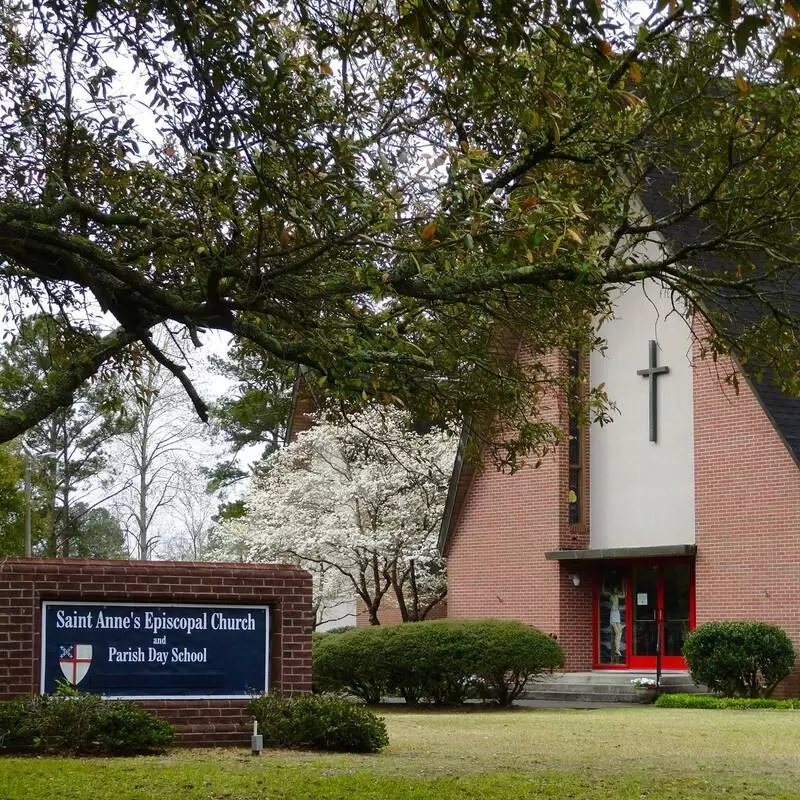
[642, 492]
[341, 614]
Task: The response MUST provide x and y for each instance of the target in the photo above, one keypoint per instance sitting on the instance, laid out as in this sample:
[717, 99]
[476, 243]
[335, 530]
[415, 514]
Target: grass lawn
[638, 753]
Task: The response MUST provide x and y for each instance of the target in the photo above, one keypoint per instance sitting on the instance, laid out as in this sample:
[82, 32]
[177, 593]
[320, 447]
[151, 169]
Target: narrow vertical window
[576, 448]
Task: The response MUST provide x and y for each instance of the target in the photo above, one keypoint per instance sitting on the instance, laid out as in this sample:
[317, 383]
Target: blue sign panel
[150, 651]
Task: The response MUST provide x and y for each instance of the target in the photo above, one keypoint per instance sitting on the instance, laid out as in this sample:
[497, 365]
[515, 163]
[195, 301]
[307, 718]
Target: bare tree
[192, 513]
[155, 452]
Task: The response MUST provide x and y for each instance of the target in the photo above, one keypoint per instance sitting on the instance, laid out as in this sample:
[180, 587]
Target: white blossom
[358, 502]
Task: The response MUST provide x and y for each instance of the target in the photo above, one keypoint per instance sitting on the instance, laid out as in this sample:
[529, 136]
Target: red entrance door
[641, 605]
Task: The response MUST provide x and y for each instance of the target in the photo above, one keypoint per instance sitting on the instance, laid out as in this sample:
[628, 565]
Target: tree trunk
[397, 585]
[143, 523]
[66, 520]
[52, 469]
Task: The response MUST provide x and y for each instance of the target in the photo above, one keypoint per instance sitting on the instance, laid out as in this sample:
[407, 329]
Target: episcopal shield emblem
[75, 661]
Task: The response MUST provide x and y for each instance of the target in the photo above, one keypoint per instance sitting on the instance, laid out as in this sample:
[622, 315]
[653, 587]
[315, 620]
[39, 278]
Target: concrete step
[606, 687]
[592, 696]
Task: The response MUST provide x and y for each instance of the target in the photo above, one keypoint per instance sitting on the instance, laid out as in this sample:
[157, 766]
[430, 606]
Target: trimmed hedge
[355, 661]
[71, 721]
[428, 661]
[440, 661]
[513, 654]
[318, 722]
[710, 701]
[739, 658]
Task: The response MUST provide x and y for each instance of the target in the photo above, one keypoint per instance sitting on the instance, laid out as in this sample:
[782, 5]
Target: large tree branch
[50, 254]
[61, 385]
[179, 372]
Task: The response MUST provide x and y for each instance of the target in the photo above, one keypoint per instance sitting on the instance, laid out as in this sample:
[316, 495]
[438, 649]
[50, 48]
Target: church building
[684, 509]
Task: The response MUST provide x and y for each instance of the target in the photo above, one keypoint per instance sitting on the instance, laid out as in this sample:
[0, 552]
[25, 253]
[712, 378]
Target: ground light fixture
[257, 740]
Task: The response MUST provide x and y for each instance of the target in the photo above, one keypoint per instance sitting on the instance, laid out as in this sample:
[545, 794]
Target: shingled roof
[783, 410]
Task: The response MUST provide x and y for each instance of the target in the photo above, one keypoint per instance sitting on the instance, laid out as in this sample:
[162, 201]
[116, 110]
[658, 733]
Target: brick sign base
[25, 583]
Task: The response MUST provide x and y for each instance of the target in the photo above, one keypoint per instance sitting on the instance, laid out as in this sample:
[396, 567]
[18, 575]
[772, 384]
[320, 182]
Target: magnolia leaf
[574, 235]
[630, 98]
[578, 211]
[556, 132]
[594, 9]
[791, 40]
[429, 231]
[728, 10]
[90, 8]
[742, 85]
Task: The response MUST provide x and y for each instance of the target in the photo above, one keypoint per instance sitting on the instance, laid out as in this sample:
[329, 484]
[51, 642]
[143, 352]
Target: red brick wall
[25, 583]
[302, 411]
[496, 565]
[389, 613]
[747, 510]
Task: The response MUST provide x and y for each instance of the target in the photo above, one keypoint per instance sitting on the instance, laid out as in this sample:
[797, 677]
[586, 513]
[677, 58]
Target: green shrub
[352, 661]
[67, 721]
[318, 722]
[14, 727]
[511, 655]
[126, 728]
[432, 661]
[739, 658]
[711, 701]
[441, 661]
[71, 721]
[416, 661]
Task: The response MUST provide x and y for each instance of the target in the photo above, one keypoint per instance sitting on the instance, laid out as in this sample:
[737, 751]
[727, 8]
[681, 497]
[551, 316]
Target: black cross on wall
[651, 373]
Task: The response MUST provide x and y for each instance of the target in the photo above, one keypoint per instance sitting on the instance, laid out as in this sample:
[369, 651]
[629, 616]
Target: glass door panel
[631, 600]
[645, 605]
[612, 619]
[677, 586]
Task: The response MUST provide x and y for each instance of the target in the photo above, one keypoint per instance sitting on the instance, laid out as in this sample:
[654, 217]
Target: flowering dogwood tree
[358, 502]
